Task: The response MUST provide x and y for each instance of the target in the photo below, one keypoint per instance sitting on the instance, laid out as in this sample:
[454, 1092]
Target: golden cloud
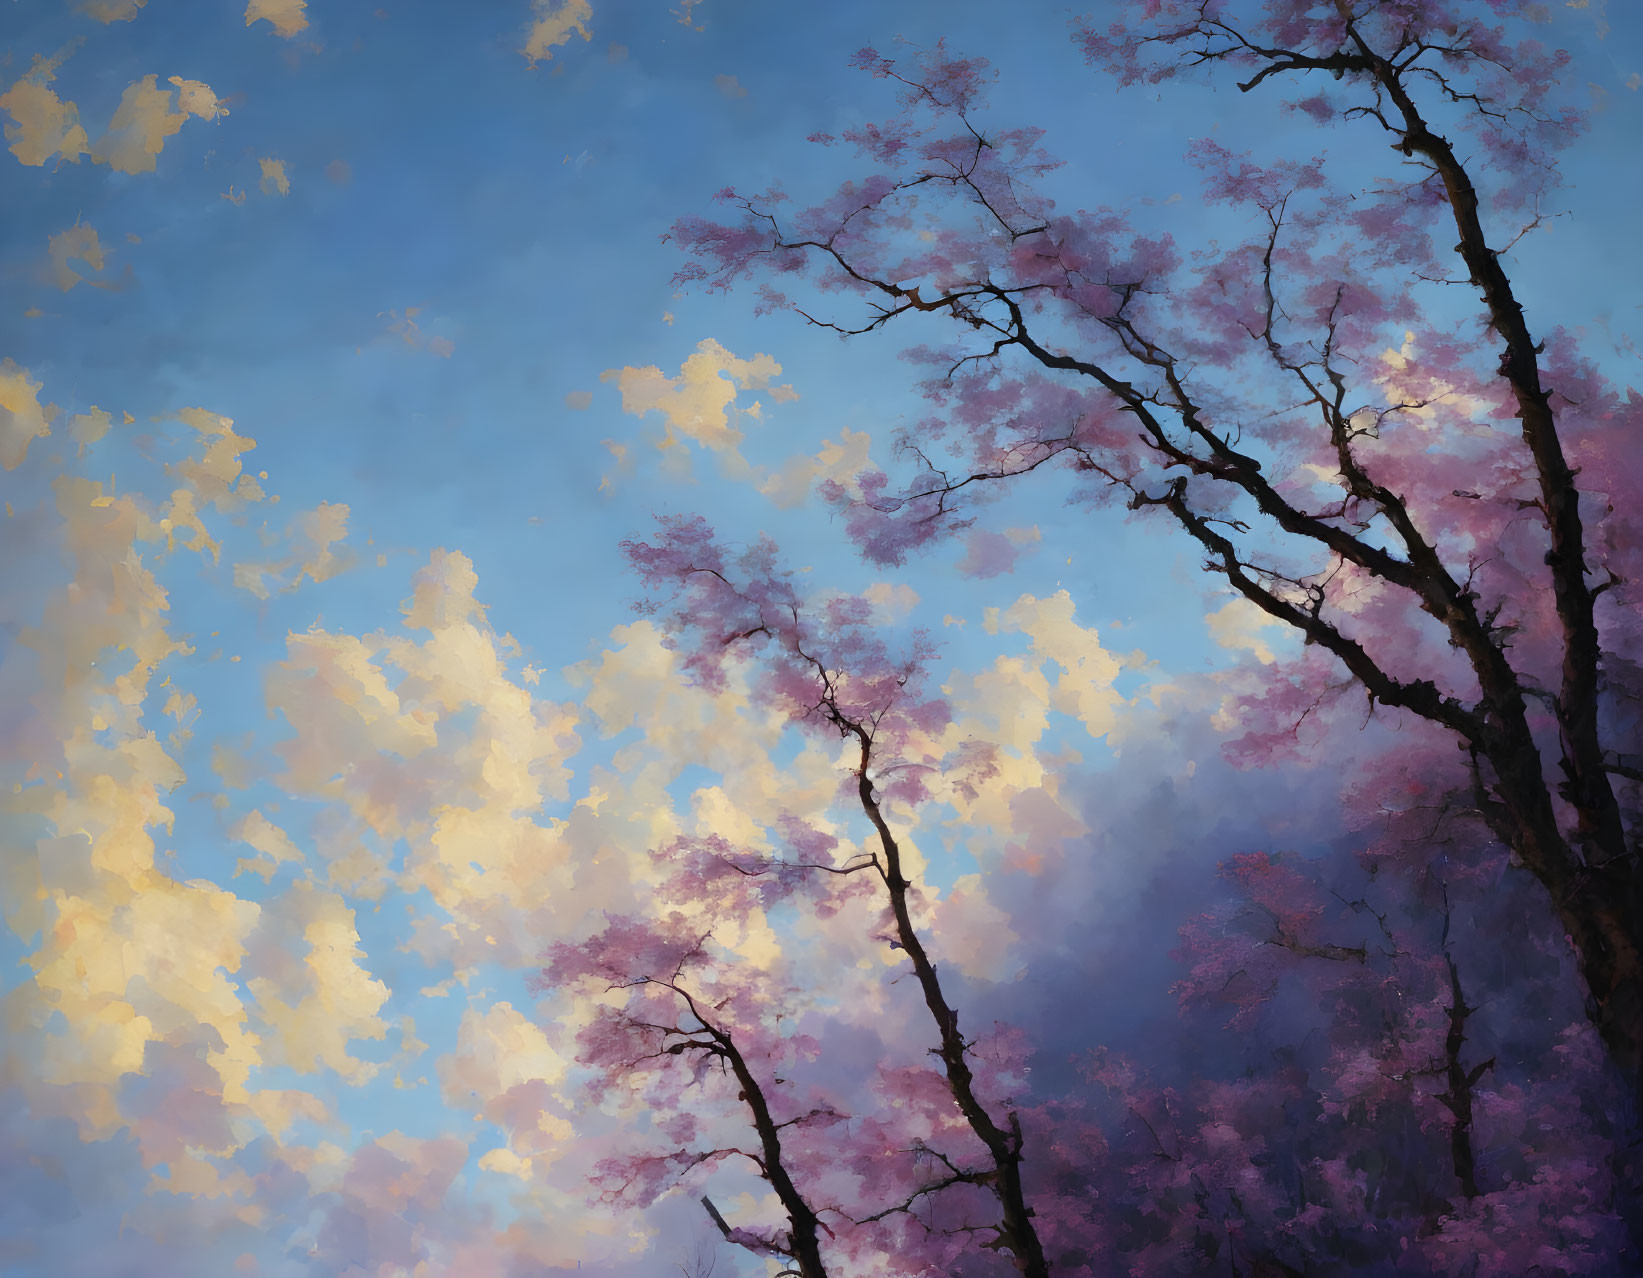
[287, 17]
[1084, 689]
[130, 957]
[496, 1050]
[312, 537]
[217, 476]
[43, 125]
[840, 462]
[555, 22]
[273, 845]
[108, 11]
[274, 180]
[696, 404]
[315, 1010]
[77, 244]
[135, 969]
[86, 428]
[137, 133]
[23, 419]
[195, 97]
[427, 736]
[1239, 626]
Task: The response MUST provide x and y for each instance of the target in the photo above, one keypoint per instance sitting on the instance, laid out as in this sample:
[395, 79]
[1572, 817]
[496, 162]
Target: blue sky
[411, 265]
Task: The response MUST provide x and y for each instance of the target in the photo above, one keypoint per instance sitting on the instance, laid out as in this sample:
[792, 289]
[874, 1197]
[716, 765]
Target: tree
[1411, 1130]
[836, 672]
[690, 1026]
[1393, 480]
[1366, 1082]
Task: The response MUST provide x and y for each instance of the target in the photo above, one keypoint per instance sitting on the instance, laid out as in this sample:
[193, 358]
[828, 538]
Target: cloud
[1084, 689]
[696, 404]
[77, 244]
[216, 475]
[86, 428]
[135, 957]
[144, 119]
[137, 133]
[1011, 811]
[1599, 13]
[579, 401]
[505, 1162]
[136, 1017]
[132, 965]
[230, 764]
[274, 180]
[389, 1202]
[497, 1050]
[108, 11]
[442, 594]
[23, 419]
[287, 17]
[426, 735]
[311, 537]
[405, 327]
[555, 22]
[974, 934]
[1239, 626]
[348, 722]
[43, 125]
[195, 97]
[1007, 705]
[700, 405]
[841, 462]
[503, 1069]
[893, 602]
[730, 86]
[314, 1009]
[153, 1005]
[273, 846]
